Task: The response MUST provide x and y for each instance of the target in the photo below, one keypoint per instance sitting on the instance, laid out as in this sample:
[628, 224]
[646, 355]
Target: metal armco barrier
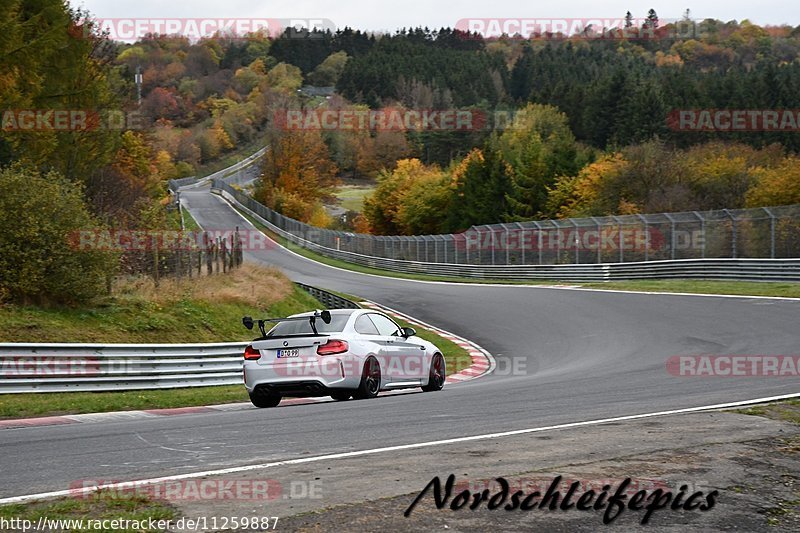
[742, 269]
[67, 367]
[33, 367]
[330, 300]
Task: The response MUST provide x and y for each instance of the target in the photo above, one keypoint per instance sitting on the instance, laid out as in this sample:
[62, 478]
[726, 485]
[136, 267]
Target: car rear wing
[312, 319]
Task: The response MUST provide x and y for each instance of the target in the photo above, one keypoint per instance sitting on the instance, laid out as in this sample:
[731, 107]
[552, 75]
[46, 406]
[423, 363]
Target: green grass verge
[351, 197]
[100, 506]
[788, 411]
[189, 223]
[742, 288]
[73, 403]
[134, 320]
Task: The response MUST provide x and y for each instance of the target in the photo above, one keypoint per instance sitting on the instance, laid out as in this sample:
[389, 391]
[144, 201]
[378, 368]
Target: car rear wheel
[341, 396]
[437, 374]
[265, 399]
[370, 380]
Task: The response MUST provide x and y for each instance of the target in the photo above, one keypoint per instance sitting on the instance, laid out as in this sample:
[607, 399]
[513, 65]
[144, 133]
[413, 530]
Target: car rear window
[301, 327]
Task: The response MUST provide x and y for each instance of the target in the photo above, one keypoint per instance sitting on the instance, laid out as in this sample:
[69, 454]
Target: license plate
[294, 352]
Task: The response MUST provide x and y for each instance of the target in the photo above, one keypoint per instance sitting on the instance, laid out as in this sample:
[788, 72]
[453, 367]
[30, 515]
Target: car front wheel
[370, 380]
[437, 374]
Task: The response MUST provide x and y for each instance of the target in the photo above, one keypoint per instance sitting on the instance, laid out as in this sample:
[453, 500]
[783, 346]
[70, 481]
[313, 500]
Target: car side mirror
[408, 332]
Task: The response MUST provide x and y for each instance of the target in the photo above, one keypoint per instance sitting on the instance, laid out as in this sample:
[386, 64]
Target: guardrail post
[492, 243]
[621, 252]
[521, 242]
[672, 235]
[703, 232]
[646, 237]
[539, 240]
[733, 234]
[577, 242]
[771, 233]
[156, 261]
[599, 240]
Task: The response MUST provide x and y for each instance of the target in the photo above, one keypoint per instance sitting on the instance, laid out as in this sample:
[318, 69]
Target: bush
[39, 218]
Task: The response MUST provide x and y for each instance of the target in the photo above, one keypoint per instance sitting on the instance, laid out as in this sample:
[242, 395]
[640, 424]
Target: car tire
[437, 374]
[370, 384]
[341, 396]
[265, 399]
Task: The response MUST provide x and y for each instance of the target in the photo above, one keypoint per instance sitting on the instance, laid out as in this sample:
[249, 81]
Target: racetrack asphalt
[563, 356]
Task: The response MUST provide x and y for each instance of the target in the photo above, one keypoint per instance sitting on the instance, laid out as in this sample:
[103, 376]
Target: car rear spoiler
[312, 319]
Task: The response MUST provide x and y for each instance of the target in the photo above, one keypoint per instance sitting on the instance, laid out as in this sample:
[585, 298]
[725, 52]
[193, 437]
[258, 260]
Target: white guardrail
[68, 367]
[72, 367]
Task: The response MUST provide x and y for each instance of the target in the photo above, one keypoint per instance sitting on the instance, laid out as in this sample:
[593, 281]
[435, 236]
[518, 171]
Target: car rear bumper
[310, 380]
[297, 389]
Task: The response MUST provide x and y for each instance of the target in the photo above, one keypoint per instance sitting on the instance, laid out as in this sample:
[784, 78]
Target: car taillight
[251, 354]
[332, 347]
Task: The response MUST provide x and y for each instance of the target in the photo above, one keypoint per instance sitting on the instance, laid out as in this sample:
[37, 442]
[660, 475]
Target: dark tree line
[615, 91]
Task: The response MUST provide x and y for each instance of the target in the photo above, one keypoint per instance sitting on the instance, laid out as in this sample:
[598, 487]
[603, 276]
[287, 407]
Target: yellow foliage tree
[776, 186]
[397, 204]
[581, 195]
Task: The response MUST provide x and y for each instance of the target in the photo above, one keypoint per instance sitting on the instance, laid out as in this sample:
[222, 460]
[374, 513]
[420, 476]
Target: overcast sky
[375, 15]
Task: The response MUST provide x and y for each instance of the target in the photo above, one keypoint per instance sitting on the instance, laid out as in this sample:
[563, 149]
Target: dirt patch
[756, 480]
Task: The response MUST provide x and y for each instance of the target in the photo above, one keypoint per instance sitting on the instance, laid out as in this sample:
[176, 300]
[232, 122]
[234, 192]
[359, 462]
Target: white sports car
[341, 353]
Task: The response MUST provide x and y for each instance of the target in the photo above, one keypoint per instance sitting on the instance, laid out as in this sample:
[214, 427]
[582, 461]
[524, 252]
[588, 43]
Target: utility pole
[138, 80]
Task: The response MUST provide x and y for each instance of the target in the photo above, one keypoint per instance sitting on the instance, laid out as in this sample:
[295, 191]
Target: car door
[405, 358]
[365, 327]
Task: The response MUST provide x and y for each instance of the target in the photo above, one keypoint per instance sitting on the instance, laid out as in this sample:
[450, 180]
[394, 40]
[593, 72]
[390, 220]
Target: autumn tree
[41, 217]
[297, 172]
[328, 72]
[537, 148]
[776, 186]
[479, 187]
[386, 208]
